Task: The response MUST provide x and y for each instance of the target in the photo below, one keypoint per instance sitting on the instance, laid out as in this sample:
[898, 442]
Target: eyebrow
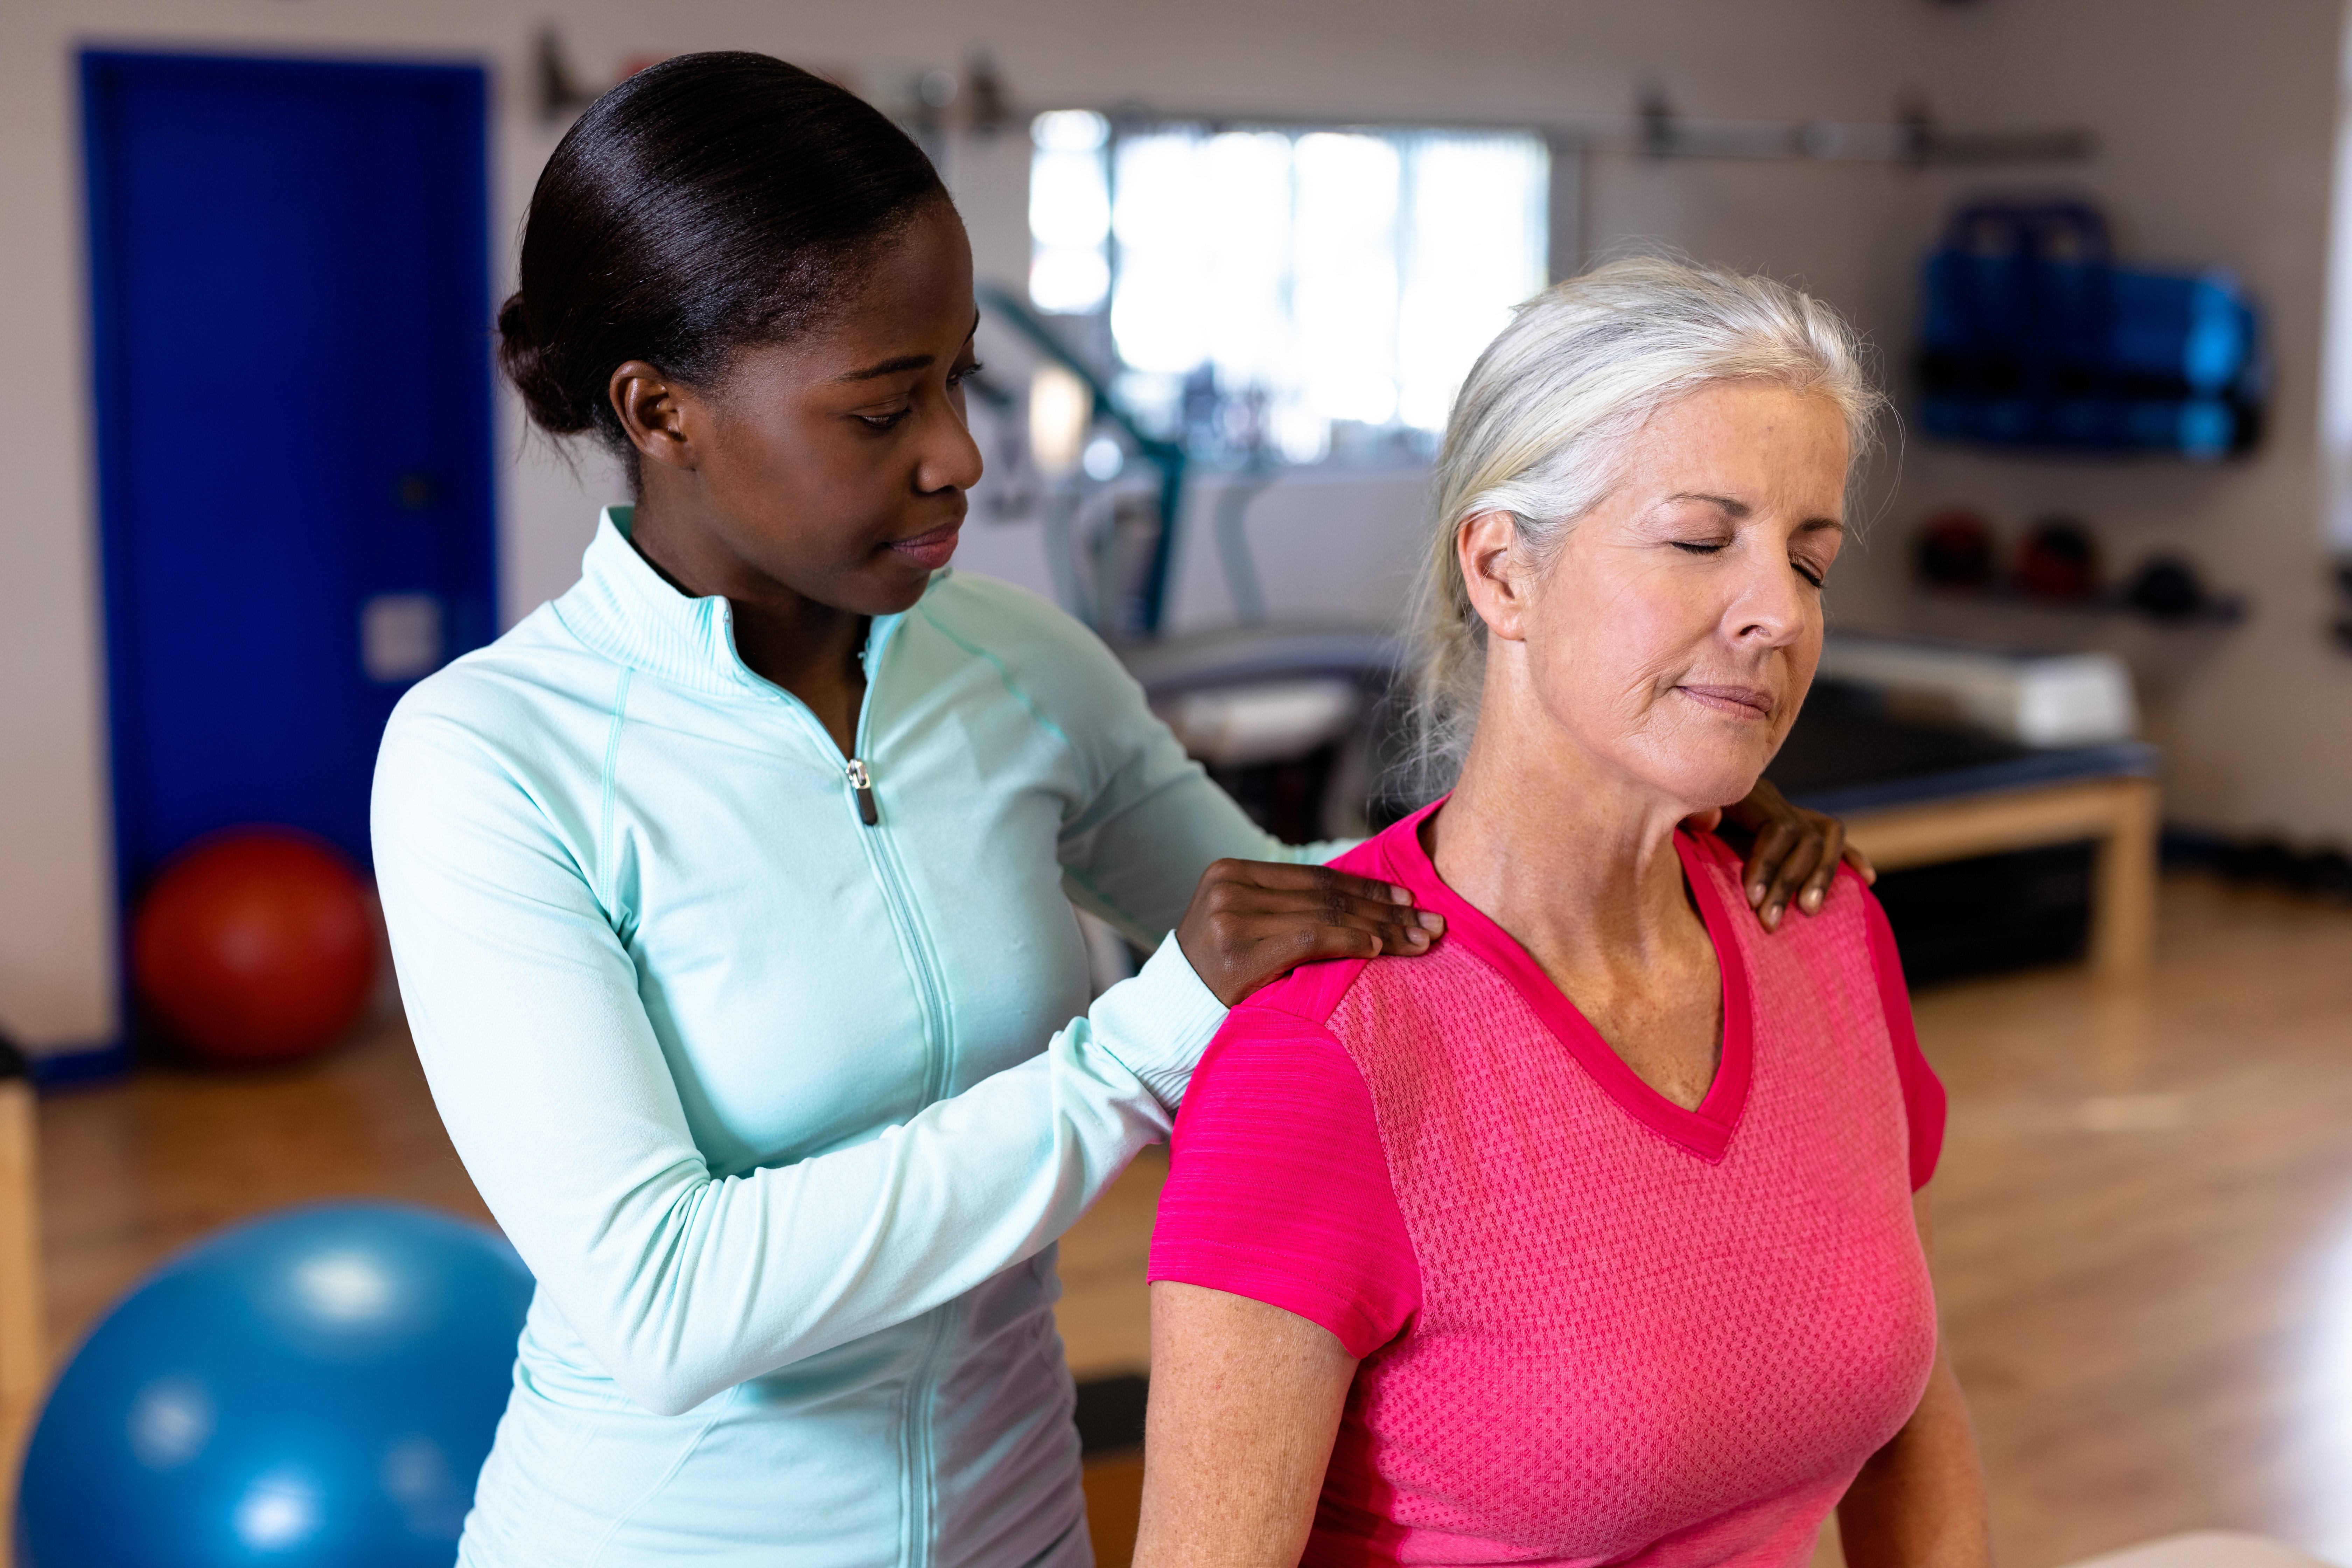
[891, 367]
[1735, 507]
[904, 361]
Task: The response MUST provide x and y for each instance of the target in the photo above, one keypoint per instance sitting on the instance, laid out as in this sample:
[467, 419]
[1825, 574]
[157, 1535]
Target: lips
[929, 550]
[1732, 702]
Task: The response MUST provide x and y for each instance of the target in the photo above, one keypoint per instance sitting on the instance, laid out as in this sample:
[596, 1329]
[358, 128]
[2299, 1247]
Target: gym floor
[2144, 1223]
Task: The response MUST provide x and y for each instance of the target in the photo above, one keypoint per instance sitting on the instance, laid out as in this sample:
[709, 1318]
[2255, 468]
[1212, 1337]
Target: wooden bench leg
[2122, 898]
[2119, 815]
[23, 1360]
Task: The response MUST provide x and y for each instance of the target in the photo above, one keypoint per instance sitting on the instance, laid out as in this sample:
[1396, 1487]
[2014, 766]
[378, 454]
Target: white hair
[1541, 425]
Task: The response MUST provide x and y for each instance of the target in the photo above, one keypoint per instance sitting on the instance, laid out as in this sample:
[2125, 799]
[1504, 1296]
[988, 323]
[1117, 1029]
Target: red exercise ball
[256, 946]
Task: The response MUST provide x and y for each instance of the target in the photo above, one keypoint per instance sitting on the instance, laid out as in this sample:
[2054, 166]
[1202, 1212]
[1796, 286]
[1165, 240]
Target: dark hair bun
[526, 365]
[708, 203]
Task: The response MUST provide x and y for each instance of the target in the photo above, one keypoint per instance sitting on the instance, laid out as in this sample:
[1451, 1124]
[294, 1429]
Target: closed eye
[1817, 578]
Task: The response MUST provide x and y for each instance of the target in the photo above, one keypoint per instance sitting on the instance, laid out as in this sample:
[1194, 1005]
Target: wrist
[1159, 1023]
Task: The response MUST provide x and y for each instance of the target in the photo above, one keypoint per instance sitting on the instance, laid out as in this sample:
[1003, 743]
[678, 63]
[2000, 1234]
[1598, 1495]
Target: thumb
[1705, 821]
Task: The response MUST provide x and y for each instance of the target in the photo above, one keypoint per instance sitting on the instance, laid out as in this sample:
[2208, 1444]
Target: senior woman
[1597, 1235]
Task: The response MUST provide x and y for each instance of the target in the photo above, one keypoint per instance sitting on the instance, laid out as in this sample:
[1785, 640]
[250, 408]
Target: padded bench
[1913, 794]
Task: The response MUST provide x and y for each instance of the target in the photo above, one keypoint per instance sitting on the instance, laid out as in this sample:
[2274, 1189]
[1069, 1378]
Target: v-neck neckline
[1704, 1131]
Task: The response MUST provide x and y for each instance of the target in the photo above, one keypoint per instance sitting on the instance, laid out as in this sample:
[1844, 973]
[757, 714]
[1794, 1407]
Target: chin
[890, 590]
[1709, 785]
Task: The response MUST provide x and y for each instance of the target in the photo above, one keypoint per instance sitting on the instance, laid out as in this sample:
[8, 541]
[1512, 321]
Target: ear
[1485, 546]
[658, 414]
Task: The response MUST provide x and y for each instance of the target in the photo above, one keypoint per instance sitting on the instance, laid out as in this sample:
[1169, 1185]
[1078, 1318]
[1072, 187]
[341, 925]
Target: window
[1287, 294]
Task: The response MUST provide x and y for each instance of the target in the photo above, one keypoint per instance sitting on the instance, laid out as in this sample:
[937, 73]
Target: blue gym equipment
[2034, 336]
[316, 1388]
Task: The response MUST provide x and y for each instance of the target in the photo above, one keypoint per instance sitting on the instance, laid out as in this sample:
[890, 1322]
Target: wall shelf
[2160, 654]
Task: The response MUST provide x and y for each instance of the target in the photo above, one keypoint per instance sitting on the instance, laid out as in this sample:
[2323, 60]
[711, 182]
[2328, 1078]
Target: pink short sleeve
[1278, 1189]
[1923, 1091]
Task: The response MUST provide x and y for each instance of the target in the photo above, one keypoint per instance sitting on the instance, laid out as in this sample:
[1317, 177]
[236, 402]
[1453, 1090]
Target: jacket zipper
[900, 900]
[861, 783]
[919, 1448]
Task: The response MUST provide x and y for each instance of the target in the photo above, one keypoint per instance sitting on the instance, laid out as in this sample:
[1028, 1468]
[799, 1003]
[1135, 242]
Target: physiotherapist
[730, 892]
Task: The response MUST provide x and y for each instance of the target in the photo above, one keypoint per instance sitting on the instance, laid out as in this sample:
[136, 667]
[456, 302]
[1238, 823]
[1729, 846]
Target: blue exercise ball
[316, 1388]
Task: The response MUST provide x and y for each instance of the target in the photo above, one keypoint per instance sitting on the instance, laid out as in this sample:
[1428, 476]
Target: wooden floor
[2145, 1218]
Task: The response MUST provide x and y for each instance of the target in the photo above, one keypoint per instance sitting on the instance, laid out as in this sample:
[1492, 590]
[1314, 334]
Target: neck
[810, 649]
[1573, 858]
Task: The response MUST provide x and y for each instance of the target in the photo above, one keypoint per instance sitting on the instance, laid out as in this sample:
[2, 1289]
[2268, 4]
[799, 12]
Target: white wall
[2218, 127]
[2219, 140]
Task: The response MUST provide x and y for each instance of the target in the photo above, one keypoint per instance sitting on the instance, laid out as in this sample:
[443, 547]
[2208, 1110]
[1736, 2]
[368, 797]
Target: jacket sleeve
[1136, 853]
[525, 1010]
[1151, 819]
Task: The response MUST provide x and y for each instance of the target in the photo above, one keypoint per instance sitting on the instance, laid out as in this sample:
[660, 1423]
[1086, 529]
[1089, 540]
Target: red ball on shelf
[1955, 548]
[2058, 561]
[257, 946]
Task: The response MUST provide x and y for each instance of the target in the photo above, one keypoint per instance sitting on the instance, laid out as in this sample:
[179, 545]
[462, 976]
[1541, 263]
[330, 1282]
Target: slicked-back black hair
[708, 203]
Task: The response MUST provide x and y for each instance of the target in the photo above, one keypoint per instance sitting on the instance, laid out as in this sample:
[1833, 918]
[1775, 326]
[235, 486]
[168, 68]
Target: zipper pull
[863, 783]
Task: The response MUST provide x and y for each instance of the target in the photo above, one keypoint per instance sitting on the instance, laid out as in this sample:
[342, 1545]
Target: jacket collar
[625, 610]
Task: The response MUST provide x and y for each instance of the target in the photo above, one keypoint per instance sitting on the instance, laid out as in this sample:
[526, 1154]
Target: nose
[951, 459]
[1771, 605]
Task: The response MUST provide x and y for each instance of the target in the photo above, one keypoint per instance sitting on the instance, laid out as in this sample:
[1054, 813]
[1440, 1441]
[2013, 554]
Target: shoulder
[1924, 1100]
[537, 664]
[1310, 994]
[1273, 1089]
[1848, 905]
[536, 696]
[1850, 911]
[1294, 1013]
[1368, 859]
[1047, 658]
[1278, 1186]
[991, 616]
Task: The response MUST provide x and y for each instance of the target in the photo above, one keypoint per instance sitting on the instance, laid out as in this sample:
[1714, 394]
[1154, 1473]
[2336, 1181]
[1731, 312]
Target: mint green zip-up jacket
[784, 1108]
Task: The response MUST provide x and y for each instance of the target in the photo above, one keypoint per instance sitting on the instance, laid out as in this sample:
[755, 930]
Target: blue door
[290, 304]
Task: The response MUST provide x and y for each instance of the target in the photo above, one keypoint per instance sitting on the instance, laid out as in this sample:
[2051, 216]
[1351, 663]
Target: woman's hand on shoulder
[1252, 921]
[1792, 853]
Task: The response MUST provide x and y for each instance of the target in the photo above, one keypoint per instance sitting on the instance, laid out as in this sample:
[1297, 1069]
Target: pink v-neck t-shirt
[1595, 1327]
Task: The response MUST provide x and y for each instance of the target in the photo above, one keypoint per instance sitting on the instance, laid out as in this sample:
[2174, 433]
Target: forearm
[689, 1287]
[685, 1284]
[1919, 1502]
